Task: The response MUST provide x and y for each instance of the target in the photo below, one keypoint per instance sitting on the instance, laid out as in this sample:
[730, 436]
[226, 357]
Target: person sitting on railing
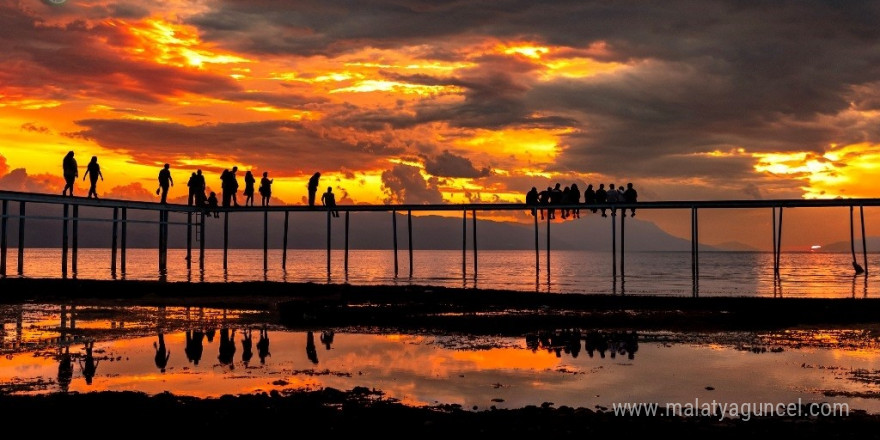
[532, 200]
[630, 196]
[212, 205]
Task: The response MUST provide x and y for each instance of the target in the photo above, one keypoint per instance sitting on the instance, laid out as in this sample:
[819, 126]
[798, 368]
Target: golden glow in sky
[418, 108]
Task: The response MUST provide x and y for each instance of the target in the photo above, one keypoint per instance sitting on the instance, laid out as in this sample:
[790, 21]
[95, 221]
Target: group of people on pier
[599, 199]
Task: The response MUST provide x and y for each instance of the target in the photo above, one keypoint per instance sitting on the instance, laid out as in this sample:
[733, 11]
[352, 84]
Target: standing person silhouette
[71, 172]
[164, 181]
[93, 172]
[162, 354]
[266, 188]
[263, 345]
[192, 184]
[313, 188]
[249, 181]
[89, 366]
[328, 199]
[200, 187]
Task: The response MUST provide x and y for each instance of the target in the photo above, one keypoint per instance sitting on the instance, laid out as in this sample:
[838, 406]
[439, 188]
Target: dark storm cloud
[701, 76]
[405, 184]
[447, 164]
[290, 148]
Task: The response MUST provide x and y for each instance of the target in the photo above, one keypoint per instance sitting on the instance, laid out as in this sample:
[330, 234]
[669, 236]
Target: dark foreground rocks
[363, 414]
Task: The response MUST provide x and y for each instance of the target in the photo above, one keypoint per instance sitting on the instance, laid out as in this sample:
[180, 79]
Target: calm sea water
[818, 274]
[207, 352]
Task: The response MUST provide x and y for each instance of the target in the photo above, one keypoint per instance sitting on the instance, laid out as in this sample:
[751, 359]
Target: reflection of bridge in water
[192, 219]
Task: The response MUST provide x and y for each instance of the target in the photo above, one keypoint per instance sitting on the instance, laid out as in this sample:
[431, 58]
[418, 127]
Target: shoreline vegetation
[438, 309]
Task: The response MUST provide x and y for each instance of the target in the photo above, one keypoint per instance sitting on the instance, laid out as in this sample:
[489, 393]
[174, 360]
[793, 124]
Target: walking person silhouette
[249, 181]
[93, 172]
[71, 172]
[164, 181]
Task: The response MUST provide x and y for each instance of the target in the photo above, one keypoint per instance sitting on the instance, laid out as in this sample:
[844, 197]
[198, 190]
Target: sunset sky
[447, 101]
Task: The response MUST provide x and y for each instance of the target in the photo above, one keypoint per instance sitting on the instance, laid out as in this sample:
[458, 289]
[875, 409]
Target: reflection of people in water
[65, 369]
[247, 344]
[327, 338]
[194, 345]
[162, 354]
[89, 366]
[263, 345]
[311, 352]
[227, 347]
[568, 341]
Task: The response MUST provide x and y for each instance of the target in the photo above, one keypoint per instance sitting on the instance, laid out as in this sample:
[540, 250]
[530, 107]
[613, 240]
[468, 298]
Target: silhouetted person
[71, 172]
[192, 184]
[65, 369]
[532, 200]
[544, 199]
[263, 345]
[590, 197]
[313, 188]
[247, 347]
[602, 197]
[229, 187]
[162, 354]
[565, 200]
[200, 187]
[212, 205]
[89, 366]
[266, 188]
[328, 199]
[194, 345]
[165, 181]
[575, 199]
[227, 346]
[249, 182]
[311, 351]
[327, 338]
[93, 172]
[630, 195]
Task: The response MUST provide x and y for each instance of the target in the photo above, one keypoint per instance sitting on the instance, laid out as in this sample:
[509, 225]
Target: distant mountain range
[368, 230]
[872, 243]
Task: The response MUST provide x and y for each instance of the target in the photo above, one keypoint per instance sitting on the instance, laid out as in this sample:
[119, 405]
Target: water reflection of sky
[424, 369]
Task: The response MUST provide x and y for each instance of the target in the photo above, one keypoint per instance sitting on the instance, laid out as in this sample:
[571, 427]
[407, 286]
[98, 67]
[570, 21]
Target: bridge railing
[195, 219]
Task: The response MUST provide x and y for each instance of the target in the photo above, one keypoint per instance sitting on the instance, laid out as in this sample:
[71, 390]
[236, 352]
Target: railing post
[346, 240]
[779, 241]
[548, 247]
[474, 232]
[74, 258]
[864, 242]
[3, 244]
[266, 240]
[614, 246]
[464, 244]
[64, 240]
[409, 240]
[537, 249]
[622, 244]
[163, 241]
[189, 226]
[775, 265]
[114, 240]
[21, 218]
[394, 234]
[284, 240]
[202, 239]
[329, 216]
[225, 240]
[123, 240]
